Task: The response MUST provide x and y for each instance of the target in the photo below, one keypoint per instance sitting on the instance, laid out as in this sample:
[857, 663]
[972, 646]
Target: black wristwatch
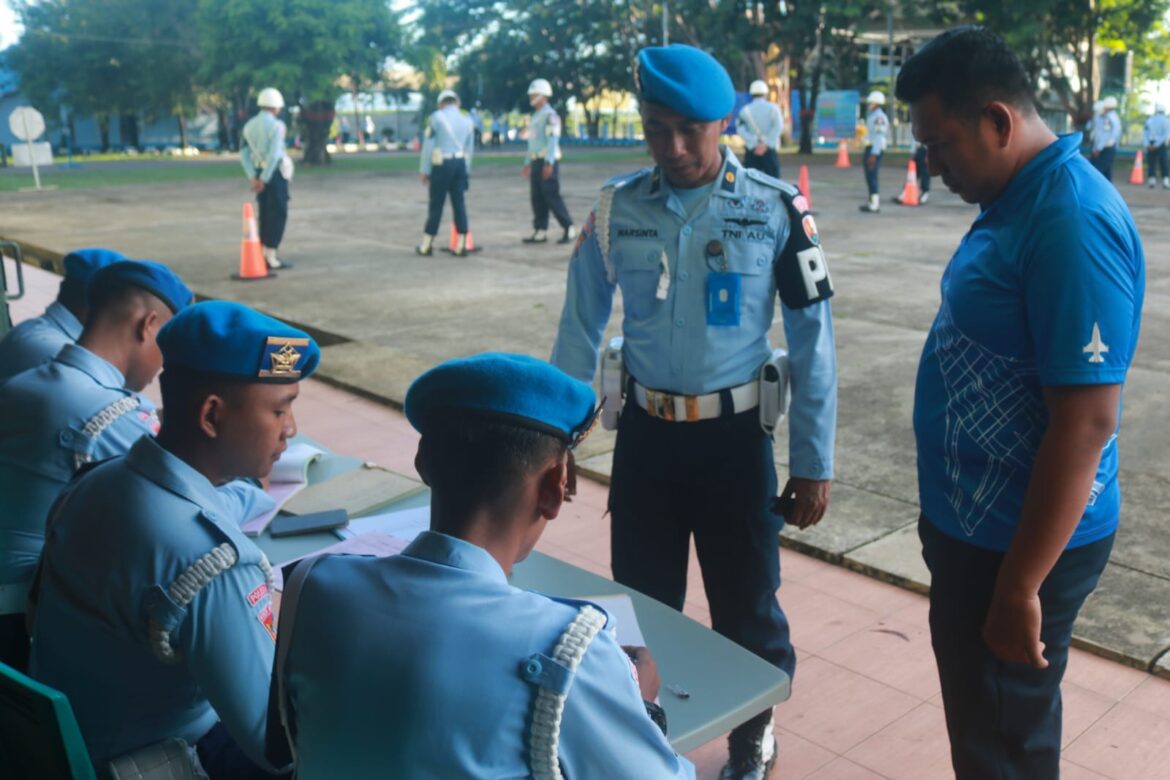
[657, 714]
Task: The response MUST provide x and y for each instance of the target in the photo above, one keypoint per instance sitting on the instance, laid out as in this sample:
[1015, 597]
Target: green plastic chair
[39, 737]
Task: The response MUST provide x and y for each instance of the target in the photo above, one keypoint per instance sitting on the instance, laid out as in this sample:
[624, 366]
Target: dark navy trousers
[713, 479]
[447, 180]
[871, 173]
[1003, 719]
[546, 196]
[1104, 161]
[272, 203]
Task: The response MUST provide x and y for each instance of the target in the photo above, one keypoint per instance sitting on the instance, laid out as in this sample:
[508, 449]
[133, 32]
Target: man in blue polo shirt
[1018, 400]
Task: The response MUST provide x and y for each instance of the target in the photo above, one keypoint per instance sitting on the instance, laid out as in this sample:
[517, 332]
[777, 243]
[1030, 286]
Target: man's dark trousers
[546, 195]
[1156, 162]
[272, 203]
[871, 171]
[714, 479]
[448, 179]
[1003, 719]
[1104, 161]
[768, 162]
[922, 165]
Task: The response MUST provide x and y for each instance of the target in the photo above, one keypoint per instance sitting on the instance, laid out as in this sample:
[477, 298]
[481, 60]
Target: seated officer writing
[38, 339]
[429, 664]
[81, 406]
[151, 610]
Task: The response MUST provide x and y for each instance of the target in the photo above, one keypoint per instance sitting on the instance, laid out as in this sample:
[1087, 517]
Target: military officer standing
[38, 339]
[456, 673]
[1154, 137]
[82, 406]
[151, 610]
[542, 168]
[700, 247]
[760, 125]
[269, 169]
[1106, 137]
[877, 128]
[444, 167]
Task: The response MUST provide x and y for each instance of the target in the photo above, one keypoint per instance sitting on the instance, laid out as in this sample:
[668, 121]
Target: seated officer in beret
[151, 610]
[429, 664]
[38, 339]
[79, 407]
[700, 247]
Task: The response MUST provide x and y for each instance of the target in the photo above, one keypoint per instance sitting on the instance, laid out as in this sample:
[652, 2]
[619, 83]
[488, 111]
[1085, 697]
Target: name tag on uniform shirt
[723, 294]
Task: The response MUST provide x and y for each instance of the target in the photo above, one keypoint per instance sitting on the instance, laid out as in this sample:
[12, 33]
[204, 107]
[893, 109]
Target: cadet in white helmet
[1154, 138]
[760, 124]
[444, 168]
[1106, 137]
[877, 128]
[269, 169]
[542, 168]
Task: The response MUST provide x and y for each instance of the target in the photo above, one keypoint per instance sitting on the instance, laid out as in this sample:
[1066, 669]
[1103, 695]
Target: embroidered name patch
[255, 596]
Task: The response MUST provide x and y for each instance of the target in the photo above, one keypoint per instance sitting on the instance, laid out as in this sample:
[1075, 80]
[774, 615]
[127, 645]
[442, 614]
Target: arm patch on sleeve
[802, 275]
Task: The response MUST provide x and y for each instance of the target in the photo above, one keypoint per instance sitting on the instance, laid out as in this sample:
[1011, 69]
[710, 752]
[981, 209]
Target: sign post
[27, 124]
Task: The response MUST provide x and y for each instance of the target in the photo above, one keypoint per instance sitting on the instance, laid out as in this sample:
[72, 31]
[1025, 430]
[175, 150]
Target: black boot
[751, 750]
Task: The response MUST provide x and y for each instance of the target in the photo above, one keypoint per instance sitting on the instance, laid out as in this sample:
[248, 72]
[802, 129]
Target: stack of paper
[289, 476]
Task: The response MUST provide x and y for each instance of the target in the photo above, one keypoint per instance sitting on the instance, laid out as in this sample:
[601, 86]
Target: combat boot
[751, 750]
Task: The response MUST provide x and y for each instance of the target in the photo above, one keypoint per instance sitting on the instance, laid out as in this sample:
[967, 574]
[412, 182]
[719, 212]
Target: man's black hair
[111, 294]
[471, 461]
[72, 295]
[967, 68]
[183, 392]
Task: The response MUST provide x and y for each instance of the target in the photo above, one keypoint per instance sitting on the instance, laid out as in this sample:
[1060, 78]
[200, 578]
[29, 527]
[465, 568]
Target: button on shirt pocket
[639, 264]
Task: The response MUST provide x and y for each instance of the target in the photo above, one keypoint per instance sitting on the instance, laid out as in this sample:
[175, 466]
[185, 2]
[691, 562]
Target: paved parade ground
[384, 315]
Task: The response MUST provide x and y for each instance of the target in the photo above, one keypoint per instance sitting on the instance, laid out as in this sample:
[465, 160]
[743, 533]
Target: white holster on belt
[774, 391]
[613, 384]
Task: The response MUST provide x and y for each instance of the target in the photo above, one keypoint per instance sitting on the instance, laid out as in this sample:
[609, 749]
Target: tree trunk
[221, 119]
[806, 115]
[358, 130]
[104, 131]
[128, 130]
[318, 117]
[182, 130]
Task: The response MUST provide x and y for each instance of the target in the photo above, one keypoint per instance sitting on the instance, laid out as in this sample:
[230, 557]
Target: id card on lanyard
[724, 289]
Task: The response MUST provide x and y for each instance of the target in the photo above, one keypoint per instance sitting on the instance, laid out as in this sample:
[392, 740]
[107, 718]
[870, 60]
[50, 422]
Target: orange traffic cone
[454, 245]
[252, 265]
[1137, 176]
[909, 196]
[842, 155]
[802, 184]
[414, 145]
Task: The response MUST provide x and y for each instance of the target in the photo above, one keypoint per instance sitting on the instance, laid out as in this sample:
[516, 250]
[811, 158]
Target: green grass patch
[125, 172]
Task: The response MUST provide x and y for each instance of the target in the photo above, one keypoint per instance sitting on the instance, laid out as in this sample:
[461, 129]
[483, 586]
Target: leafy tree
[302, 47]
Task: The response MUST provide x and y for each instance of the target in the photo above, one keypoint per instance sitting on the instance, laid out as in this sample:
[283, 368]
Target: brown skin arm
[1081, 419]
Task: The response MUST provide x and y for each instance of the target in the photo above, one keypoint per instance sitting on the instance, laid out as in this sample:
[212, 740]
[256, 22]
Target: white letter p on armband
[813, 269]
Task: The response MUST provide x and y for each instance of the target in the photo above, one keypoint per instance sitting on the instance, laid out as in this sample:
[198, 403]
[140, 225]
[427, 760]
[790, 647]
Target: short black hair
[966, 68]
[471, 461]
[184, 391]
[72, 295]
[115, 296]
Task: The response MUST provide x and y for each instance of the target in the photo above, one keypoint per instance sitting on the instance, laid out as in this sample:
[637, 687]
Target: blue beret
[81, 264]
[230, 339]
[686, 80]
[518, 389]
[155, 278]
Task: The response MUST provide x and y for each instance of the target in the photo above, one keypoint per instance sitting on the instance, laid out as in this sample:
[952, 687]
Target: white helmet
[758, 88]
[1109, 103]
[448, 94]
[875, 98]
[540, 87]
[270, 97]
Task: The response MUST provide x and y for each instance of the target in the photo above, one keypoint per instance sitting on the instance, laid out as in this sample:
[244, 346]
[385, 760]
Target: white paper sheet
[404, 523]
[375, 545]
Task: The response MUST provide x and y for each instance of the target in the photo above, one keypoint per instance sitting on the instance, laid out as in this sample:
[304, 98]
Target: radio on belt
[774, 391]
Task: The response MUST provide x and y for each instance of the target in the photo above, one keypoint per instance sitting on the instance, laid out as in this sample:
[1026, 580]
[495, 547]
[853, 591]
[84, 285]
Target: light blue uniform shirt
[760, 121]
[452, 133]
[116, 542]
[668, 344]
[263, 147]
[877, 129]
[1106, 131]
[37, 340]
[1157, 130]
[50, 426]
[544, 135]
[411, 666]
[1045, 290]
